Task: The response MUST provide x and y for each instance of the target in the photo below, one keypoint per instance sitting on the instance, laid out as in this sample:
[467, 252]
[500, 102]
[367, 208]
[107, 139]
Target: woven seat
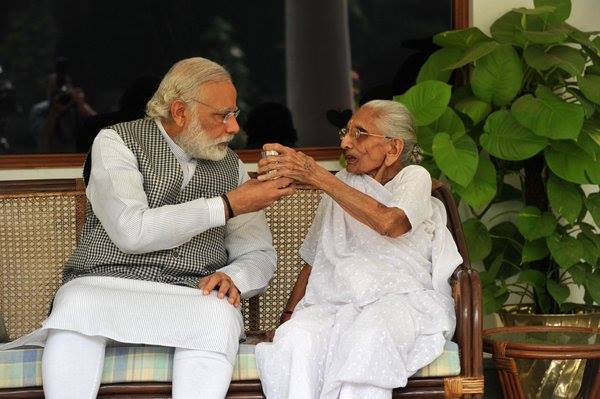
[38, 231]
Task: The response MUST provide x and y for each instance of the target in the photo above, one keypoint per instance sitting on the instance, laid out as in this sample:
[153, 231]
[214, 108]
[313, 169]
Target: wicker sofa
[39, 226]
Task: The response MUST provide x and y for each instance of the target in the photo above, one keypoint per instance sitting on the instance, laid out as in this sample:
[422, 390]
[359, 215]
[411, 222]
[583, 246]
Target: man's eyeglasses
[356, 133]
[226, 116]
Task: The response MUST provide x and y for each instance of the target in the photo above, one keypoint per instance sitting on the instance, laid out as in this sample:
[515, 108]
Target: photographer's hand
[83, 107]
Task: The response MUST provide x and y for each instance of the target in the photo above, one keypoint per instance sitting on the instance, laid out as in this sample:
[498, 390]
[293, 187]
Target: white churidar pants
[72, 366]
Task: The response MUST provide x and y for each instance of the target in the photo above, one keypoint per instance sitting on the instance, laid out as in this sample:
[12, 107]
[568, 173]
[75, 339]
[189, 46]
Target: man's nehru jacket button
[174, 253]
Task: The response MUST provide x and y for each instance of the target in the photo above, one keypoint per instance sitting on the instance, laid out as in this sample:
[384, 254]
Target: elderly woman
[377, 305]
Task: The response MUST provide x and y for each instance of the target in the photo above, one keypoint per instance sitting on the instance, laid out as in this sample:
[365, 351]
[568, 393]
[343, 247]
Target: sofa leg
[456, 387]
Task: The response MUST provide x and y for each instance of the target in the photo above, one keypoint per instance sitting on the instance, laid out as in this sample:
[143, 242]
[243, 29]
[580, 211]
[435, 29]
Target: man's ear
[178, 112]
[395, 147]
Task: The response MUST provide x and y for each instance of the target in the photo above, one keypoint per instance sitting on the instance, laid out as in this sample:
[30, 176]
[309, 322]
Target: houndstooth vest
[97, 255]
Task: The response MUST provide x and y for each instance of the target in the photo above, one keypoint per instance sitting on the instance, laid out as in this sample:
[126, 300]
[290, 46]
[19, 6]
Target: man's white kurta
[136, 311]
[376, 308]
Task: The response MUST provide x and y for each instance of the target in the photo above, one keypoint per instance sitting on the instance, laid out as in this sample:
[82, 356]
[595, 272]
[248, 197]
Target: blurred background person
[56, 121]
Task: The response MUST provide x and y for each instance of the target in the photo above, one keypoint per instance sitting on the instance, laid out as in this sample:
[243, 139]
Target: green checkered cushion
[20, 368]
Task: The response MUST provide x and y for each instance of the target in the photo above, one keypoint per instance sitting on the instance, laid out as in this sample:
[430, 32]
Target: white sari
[376, 309]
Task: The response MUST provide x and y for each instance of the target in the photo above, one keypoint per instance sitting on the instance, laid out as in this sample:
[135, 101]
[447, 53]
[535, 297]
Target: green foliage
[528, 108]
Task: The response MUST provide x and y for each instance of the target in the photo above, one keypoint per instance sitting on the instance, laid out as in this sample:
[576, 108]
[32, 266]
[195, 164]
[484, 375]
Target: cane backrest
[38, 232]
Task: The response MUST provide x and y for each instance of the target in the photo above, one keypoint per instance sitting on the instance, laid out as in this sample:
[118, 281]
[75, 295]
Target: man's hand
[226, 287]
[254, 195]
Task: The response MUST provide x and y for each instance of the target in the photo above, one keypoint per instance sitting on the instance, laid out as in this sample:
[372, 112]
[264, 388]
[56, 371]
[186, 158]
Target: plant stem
[502, 213]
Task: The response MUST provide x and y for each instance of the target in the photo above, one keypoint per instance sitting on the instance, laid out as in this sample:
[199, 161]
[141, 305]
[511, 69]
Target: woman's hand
[289, 163]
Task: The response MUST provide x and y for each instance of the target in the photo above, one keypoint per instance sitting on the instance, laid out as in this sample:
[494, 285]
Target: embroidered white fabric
[376, 309]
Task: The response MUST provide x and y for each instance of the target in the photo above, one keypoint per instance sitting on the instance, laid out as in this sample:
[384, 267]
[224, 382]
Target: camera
[63, 95]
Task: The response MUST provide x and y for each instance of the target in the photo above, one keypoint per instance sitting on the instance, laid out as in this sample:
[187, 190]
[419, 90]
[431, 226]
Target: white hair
[394, 120]
[184, 82]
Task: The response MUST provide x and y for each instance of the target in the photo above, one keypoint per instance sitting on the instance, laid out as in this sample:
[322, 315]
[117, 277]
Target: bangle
[228, 204]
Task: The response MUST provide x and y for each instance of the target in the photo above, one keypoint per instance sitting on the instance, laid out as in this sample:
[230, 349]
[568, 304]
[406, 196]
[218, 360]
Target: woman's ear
[178, 112]
[395, 147]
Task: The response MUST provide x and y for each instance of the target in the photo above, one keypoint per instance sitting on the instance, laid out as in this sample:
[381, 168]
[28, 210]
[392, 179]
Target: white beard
[199, 145]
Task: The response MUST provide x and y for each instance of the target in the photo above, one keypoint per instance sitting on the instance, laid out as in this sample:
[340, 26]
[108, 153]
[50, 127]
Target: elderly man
[377, 305]
[172, 240]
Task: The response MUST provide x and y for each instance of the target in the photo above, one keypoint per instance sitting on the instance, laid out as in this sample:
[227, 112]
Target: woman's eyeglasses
[356, 133]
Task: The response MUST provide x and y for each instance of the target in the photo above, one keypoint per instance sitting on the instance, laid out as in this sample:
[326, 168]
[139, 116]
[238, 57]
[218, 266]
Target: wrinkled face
[205, 136]
[365, 154]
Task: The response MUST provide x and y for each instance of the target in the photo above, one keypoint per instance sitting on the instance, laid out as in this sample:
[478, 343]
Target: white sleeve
[117, 196]
[412, 194]
[252, 259]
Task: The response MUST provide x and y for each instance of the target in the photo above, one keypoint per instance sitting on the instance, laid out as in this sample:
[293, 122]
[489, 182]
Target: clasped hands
[290, 164]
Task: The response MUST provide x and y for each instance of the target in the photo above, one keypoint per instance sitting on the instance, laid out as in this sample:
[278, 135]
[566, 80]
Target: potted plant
[521, 134]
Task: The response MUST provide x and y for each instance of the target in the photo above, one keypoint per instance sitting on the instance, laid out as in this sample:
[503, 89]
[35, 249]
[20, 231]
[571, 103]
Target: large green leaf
[553, 119]
[449, 123]
[479, 242]
[426, 101]
[544, 92]
[464, 38]
[505, 138]
[562, 8]
[536, 57]
[534, 224]
[474, 53]
[589, 138]
[589, 108]
[498, 76]
[474, 108]
[592, 284]
[508, 242]
[491, 271]
[590, 87]
[565, 250]
[560, 292]
[591, 247]
[566, 58]
[534, 250]
[457, 158]
[435, 66]
[578, 272]
[542, 10]
[592, 203]
[532, 277]
[565, 198]
[571, 163]
[552, 35]
[482, 189]
[508, 29]
[425, 137]
[493, 298]
[584, 39]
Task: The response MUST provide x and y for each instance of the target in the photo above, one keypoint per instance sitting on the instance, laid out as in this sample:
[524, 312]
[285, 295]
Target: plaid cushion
[20, 368]
[448, 364]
